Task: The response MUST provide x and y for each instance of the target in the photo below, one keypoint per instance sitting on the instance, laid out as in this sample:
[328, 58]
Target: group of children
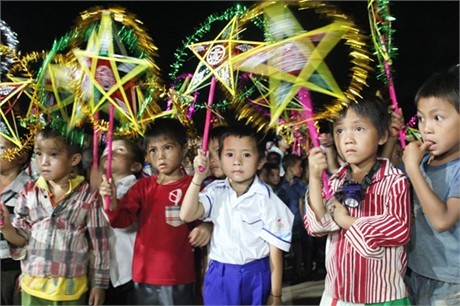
[140, 249]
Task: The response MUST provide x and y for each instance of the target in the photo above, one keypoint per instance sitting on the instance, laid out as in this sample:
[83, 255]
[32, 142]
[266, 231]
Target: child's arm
[276, 268]
[191, 209]
[396, 124]
[317, 164]
[201, 234]
[327, 142]
[442, 216]
[96, 296]
[8, 230]
[341, 216]
[99, 260]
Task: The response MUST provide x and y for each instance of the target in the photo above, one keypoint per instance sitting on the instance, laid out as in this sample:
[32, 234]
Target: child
[163, 265]
[214, 161]
[58, 231]
[280, 146]
[433, 168]
[295, 188]
[273, 179]
[251, 225]
[13, 177]
[367, 220]
[127, 163]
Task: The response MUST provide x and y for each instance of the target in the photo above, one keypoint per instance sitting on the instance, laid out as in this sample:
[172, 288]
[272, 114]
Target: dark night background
[426, 32]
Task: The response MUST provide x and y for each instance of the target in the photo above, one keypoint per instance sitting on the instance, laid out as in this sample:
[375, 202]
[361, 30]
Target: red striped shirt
[367, 262]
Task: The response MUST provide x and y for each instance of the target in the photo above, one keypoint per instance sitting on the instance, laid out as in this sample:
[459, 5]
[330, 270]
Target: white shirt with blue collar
[245, 226]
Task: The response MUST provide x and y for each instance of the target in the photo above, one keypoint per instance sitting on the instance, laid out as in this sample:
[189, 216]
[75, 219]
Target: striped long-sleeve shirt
[69, 240]
[367, 262]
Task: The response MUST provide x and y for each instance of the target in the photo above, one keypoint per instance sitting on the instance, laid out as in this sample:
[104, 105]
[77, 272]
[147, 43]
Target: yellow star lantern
[9, 96]
[15, 103]
[290, 62]
[112, 79]
[294, 58]
[216, 57]
[56, 87]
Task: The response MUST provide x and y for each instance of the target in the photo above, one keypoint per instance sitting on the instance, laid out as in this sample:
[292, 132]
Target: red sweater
[162, 252]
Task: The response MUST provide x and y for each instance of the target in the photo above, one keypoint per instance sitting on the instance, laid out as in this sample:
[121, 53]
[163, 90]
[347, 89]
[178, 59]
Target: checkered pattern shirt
[67, 241]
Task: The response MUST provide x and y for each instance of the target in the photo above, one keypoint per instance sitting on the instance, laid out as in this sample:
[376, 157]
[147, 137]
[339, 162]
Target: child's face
[296, 170]
[283, 144]
[357, 139]
[263, 175]
[273, 177]
[122, 159]
[439, 124]
[165, 154]
[240, 160]
[53, 160]
[214, 160]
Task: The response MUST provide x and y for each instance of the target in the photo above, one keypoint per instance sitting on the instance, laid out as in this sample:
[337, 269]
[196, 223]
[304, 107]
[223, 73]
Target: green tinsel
[74, 136]
[380, 22]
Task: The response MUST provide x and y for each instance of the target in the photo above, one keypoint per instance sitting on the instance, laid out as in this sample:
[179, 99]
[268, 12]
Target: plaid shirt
[67, 241]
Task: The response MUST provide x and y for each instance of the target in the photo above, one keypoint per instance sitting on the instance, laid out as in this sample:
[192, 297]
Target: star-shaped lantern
[216, 57]
[111, 78]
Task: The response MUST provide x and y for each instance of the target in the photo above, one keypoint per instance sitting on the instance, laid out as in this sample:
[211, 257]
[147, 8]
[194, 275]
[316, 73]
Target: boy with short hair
[163, 263]
[58, 230]
[433, 168]
[368, 219]
[252, 226]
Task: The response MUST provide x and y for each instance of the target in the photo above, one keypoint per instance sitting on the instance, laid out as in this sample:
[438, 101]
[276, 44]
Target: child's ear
[185, 149]
[136, 167]
[383, 139]
[261, 163]
[76, 159]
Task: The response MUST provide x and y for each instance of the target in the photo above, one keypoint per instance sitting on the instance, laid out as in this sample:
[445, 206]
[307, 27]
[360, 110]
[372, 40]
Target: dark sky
[427, 32]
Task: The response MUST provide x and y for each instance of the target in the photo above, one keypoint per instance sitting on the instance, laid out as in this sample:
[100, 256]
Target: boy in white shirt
[252, 226]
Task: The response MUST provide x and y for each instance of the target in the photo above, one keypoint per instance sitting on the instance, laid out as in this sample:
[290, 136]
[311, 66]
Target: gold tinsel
[18, 72]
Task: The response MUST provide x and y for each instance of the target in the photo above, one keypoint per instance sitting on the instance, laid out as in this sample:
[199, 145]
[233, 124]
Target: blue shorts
[427, 291]
[227, 284]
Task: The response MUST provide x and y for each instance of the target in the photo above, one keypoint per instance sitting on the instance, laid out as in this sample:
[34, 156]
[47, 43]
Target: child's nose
[427, 128]
[236, 161]
[45, 160]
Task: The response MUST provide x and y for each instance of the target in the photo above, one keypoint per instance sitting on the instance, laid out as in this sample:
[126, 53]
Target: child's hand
[96, 296]
[107, 188]
[5, 221]
[317, 163]
[201, 161]
[274, 301]
[340, 214]
[397, 120]
[200, 235]
[413, 154]
[95, 178]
